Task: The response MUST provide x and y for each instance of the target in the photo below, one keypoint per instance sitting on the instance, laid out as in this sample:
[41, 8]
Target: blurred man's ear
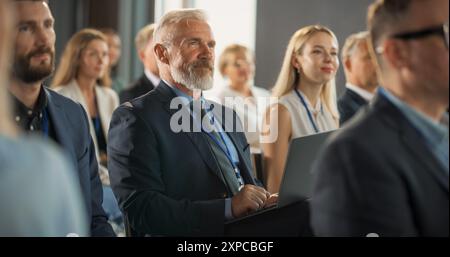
[396, 53]
[347, 64]
[161, 53]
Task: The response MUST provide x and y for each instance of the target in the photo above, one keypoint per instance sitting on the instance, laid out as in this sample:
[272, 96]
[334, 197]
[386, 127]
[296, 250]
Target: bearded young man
[45, 113]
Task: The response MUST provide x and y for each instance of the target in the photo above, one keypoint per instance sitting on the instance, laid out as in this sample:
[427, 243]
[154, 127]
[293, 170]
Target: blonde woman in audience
[307, 99]
[81, 76]
[237, 66]
[39, 195]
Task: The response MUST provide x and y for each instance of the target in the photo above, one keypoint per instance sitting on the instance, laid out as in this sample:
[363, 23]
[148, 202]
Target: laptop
[297, 179]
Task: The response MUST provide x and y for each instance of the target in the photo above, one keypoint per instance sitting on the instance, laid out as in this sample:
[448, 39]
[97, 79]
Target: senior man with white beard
[181, 183]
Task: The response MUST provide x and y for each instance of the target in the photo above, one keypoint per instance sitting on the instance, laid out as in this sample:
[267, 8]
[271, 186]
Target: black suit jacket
[138, 88]
[377, 176]
[349, 104]
[70, 123]
[167, 183]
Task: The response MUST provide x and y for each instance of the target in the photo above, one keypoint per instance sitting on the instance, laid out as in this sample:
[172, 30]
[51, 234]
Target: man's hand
[250, 199]
[271, 201]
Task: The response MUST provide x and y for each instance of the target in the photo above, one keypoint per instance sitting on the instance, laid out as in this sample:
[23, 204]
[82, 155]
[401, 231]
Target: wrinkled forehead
[190, 28]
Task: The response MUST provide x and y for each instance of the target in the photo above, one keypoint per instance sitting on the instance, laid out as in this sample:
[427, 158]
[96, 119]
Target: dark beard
[24, 72]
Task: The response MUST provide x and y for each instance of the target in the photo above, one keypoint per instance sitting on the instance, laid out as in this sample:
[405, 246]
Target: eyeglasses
[441, 30]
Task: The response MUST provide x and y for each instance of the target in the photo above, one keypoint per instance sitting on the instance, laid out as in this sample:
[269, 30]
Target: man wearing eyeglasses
[387, 172]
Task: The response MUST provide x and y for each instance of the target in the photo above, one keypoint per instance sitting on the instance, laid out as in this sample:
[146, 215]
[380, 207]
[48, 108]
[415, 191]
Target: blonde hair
[233, 50]
[70, 60]
[6, 125]
[143, 36]
[289, 76]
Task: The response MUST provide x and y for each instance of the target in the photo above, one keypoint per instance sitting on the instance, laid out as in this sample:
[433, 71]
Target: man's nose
[207, 52]
[42, 37]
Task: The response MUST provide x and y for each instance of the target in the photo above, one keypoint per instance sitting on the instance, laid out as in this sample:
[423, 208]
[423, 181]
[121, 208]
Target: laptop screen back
[297, 179]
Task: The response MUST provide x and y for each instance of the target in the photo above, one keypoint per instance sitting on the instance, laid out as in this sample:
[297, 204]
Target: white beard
[190, 80]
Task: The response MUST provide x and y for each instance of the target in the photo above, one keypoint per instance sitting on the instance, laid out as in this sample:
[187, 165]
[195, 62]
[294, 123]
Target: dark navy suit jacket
[349, 104]
[70, 124]
[138, 88]
[378, 176]
[168, 183]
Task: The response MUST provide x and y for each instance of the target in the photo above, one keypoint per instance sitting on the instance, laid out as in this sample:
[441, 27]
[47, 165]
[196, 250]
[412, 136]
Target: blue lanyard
[45, 125]
[226, 151]
[307, 110]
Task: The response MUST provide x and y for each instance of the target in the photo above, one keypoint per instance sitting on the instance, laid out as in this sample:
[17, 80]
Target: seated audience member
[38, 190]
[80, 77]
[150, 79]
[182, 182]
[387, 172]
[115, 51]
[306, 91]
[361, 75]
[41, 111]
[236, 64]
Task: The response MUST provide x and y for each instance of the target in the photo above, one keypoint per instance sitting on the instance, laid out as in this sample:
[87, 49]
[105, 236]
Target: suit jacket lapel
[60, 123]
[146, 83]
[230, 126]
[197, 138]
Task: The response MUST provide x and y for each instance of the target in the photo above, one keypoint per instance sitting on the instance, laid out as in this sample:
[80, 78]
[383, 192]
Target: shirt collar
[361, 92]
[23, 111]
[152, 77]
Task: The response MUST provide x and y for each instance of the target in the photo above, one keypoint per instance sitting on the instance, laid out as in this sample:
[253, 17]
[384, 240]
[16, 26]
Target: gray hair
[162, 33]
[352, 42]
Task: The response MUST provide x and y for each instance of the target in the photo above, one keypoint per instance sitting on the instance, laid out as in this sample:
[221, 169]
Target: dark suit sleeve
[99, 223]
[137, 179]
[345, 111]
[357, 193]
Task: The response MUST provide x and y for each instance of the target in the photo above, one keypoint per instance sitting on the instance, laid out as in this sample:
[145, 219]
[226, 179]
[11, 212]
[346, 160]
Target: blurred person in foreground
[41, 111]
[38, 188]
[387, 172]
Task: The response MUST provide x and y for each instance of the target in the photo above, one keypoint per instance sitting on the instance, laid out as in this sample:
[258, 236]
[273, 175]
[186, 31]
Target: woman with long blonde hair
[83, 76]
[307, 99]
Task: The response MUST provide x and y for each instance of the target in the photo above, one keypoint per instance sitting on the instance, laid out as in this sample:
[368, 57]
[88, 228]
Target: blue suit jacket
[168, 183]
[72, 131]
